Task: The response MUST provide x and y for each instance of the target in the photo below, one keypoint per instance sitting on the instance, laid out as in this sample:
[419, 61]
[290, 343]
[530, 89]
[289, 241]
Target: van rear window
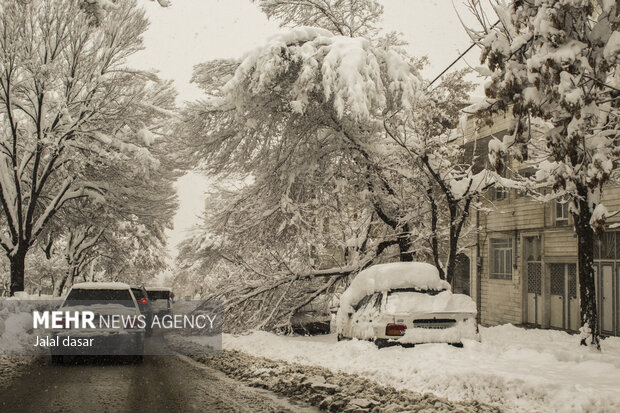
[159, 295]
[99, 296]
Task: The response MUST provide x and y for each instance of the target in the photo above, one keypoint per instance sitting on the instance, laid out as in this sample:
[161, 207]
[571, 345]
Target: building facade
[523, 265]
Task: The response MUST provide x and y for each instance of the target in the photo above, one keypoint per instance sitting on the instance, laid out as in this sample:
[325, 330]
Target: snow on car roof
[158, 289]
[396, 275]
[101, 286]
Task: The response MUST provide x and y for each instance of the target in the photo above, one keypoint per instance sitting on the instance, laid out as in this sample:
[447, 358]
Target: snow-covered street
[512, 368]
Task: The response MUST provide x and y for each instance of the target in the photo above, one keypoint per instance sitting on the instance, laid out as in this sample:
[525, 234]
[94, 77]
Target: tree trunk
[61, 284]
[18, 265]
[452, 253]
[404, 245]
[434, 236]
[587, 300]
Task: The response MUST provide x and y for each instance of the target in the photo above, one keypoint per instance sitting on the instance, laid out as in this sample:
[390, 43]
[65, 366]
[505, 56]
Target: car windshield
[104, 296]
[159, 295]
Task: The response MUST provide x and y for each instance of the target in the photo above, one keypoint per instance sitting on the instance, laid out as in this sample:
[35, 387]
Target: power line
[457, 59]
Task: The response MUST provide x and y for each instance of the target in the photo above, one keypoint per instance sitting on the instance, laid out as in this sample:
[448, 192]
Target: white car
[405, 303]
[105, 300]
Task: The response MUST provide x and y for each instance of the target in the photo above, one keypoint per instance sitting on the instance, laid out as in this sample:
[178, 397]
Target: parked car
[106, 300]
[405, 303]
[161, 300]
[145, 305]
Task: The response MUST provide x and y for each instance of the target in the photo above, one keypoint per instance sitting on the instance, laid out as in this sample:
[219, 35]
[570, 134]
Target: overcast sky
[195, 31]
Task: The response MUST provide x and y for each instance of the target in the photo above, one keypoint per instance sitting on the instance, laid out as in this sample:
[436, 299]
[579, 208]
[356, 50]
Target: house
[523, 264]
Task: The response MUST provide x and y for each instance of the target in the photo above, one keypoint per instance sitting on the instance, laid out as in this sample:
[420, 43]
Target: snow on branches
[73, 117]
[354, 77]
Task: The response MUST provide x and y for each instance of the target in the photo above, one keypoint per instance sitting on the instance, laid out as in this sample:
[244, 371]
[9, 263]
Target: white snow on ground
[520, 370]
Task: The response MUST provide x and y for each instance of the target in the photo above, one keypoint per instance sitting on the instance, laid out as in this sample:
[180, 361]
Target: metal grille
[557, 279]
[534, 272]
[572, 281]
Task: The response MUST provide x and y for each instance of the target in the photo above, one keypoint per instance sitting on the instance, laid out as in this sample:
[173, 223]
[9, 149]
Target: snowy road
[159, 384]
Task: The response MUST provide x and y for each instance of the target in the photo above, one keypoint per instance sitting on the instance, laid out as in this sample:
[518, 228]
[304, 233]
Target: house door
[574, 313]
[607, 300]
[564, 304]
[534, 292]
[557, 276]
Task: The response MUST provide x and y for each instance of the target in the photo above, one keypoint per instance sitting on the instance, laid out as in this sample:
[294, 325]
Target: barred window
[561, 212]
[501, 258]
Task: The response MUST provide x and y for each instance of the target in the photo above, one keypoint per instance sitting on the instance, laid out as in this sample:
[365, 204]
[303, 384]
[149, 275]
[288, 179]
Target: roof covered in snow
[101, 286]
[385, 277]
[158, 289]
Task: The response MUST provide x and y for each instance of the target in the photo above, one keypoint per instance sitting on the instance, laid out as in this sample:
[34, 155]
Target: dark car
[145, 305]
[161, 299]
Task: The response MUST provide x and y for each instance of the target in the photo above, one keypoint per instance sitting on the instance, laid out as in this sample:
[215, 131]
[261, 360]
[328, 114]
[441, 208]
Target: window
[606, 247]
[561, 212]
[501, 258]
[499, 192]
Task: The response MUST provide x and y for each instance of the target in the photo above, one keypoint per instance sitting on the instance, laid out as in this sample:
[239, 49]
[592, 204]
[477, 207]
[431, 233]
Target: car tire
[57, 359]
[381, 343]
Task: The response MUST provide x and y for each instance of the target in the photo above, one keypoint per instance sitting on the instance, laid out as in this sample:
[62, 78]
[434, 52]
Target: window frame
[561, 205]
[506, 251]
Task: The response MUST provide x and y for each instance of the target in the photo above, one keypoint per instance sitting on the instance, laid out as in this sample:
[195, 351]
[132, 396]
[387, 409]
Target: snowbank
[517, 369]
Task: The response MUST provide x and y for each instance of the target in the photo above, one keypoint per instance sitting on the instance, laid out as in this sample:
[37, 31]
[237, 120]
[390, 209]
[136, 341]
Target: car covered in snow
[106, 301]
[405, 303]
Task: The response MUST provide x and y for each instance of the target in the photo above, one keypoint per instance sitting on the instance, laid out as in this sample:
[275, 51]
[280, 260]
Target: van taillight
[395, 329]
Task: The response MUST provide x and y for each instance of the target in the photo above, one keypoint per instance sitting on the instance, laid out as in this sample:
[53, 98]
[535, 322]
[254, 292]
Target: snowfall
[519, 370]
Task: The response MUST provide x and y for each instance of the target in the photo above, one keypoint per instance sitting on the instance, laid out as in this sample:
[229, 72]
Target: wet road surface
[158, 384]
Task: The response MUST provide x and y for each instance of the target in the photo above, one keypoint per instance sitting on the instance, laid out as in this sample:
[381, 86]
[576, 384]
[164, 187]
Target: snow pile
[444, 302]
[23, 295]
[513, 368]
[15, 331]
[16, 323]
